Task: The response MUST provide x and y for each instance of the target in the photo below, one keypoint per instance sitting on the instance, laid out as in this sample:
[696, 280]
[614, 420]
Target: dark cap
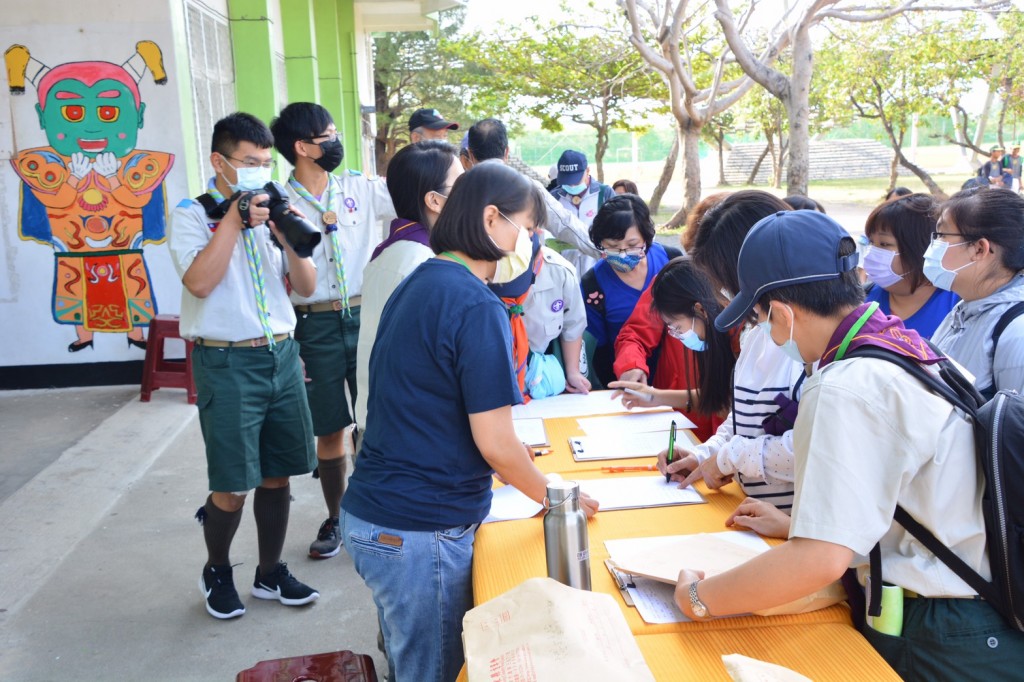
[571, 167]
[787, 248]
[430, 119]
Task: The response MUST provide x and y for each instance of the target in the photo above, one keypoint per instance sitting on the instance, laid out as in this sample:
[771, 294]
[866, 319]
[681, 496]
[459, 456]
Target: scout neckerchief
[403, 230]
[252, 256]
[330, 219]
[866, 326]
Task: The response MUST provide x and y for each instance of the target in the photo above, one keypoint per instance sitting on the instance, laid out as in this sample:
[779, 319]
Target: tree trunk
[720, 139]
[798, 109]
[380, 142]
[752, 178]
[599, 152]
[691, 164]
[666, 174]
[921, 173]
[894, 169]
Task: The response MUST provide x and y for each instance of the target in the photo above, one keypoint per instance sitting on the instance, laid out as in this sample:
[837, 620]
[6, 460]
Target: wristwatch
[696, 605]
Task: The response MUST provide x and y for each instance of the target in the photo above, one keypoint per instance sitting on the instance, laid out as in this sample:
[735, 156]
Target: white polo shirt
[229, 313]
[870, 435]
[360, 203]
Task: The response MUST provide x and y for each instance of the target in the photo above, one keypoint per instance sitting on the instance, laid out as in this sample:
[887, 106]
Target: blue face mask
[575, 189]
[690, 339]
[789, 347]
[625, 263]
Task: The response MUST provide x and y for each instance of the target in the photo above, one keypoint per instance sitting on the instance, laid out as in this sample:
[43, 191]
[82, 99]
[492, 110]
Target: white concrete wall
[58, 32]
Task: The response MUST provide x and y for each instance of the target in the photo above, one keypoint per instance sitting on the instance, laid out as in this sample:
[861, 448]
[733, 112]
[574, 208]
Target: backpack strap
[592, 293]
[1011, 314]
[958, 390]
[672, 251]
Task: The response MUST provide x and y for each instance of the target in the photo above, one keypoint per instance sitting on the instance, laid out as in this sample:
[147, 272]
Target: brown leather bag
[336, 666]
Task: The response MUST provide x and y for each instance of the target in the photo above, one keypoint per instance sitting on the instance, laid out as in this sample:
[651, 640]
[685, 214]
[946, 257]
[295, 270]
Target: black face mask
[332, 155]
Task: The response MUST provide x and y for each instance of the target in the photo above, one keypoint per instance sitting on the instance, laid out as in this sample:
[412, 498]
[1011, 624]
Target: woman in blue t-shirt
[440, 424]
[624, 234]
[899, 232]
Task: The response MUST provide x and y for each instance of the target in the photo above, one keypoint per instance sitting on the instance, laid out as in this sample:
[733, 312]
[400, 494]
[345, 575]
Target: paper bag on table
[543, 630]
[711, 553]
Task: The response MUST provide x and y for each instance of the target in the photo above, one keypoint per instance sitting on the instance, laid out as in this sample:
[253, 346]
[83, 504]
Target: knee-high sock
[270, 508]
[332, 480]
[218, 530]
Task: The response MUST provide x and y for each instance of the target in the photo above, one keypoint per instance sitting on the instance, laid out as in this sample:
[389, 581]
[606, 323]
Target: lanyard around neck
[861, 321]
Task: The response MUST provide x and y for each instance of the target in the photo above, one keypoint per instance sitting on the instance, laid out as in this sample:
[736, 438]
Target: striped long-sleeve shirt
[966, 336]
[763, 464]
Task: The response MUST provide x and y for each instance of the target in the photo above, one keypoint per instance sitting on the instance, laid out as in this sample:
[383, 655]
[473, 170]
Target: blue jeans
[422, 584]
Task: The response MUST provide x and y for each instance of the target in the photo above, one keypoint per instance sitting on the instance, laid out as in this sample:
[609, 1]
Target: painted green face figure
[92, 120]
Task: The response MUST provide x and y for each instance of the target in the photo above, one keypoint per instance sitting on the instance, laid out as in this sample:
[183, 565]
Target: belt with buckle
[258, 342]
[324, 306]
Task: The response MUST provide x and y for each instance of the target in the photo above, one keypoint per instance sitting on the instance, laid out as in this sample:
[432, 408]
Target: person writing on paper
[440, 424]
[755, 442]
[869, 436]
[684, 300]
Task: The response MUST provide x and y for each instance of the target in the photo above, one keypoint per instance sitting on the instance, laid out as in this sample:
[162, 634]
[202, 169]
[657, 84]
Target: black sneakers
[218, 588]
[281, 585]
[328, 540]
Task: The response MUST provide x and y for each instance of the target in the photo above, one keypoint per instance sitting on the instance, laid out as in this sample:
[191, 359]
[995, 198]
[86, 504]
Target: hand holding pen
[634, 394]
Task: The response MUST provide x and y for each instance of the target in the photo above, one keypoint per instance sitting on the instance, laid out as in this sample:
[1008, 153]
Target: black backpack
[999, 445]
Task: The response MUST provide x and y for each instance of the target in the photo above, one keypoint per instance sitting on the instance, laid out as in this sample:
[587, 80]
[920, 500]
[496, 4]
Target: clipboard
[531, 430]
[623, 446]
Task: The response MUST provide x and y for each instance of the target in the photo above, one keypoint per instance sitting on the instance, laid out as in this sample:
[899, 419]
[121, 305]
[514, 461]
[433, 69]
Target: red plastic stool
[160, 373]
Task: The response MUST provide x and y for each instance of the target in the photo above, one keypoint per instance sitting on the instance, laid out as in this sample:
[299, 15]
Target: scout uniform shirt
[230, 312]
[358, 204]
[554, 307]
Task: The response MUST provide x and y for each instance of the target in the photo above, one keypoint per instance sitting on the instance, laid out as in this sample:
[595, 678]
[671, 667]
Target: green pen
[671, 448]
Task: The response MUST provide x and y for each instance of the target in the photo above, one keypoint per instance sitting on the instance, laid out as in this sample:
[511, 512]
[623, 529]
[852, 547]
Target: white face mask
[937, 273]
[249, 179]
[878, 264]
[514, 263]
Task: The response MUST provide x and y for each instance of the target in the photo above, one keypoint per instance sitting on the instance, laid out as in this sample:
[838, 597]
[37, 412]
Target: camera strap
[213, 208]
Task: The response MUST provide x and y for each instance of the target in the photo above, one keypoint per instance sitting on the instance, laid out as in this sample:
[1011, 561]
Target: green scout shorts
[253, 413]
[327, 344]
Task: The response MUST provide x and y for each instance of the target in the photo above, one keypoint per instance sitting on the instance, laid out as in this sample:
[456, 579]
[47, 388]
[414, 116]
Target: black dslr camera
[301, 234]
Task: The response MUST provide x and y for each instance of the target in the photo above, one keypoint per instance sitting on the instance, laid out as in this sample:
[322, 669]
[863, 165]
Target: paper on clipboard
[620, 446]
[660, 558]
[634, 492]
[633, 423]
[531, 431]
[576, 405]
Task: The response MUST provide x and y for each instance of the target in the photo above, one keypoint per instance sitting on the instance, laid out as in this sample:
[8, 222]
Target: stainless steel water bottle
[565, 536]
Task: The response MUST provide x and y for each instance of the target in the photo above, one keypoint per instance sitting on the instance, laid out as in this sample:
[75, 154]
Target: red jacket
[677, 365]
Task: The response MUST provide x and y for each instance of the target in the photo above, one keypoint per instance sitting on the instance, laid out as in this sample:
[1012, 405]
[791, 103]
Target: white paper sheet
[509, 504]
[631, 492]
[634, 423]
[531, 431]
[620, 446]
[576, 405]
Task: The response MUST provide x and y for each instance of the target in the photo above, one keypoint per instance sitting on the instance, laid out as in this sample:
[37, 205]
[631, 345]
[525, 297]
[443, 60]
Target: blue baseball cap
[789, 247]
[571, 167]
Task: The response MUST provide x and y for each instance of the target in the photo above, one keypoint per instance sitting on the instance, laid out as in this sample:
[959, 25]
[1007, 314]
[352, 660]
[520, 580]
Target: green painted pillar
[300, 56]
[328, 59]
[352, 116]
[251, 46]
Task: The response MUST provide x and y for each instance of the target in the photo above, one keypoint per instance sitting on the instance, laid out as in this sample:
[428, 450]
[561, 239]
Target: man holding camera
[252, 404]
[346, 209]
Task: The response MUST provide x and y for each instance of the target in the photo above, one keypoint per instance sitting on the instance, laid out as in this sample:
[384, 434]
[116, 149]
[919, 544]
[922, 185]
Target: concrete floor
[101, 558]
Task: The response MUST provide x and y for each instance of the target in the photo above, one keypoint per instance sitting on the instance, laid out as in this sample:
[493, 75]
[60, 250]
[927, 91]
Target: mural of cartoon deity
[90, 195]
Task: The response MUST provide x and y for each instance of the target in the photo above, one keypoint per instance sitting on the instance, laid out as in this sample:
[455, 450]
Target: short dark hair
[824, 298]
[677, 290]
[414, 171]
[239, 127]
[488, 139]
[897, 192]
[618, 214]
[799, 202]
[720, 233]
[910, 219]
[298, 121]
[491, 183]
[992, 213]
[628, 186]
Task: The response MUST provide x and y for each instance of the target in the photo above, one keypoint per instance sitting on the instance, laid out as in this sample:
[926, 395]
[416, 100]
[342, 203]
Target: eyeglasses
[936, 234]
[326, 137]
[511, 222]
[631, 251]
[249, 163]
